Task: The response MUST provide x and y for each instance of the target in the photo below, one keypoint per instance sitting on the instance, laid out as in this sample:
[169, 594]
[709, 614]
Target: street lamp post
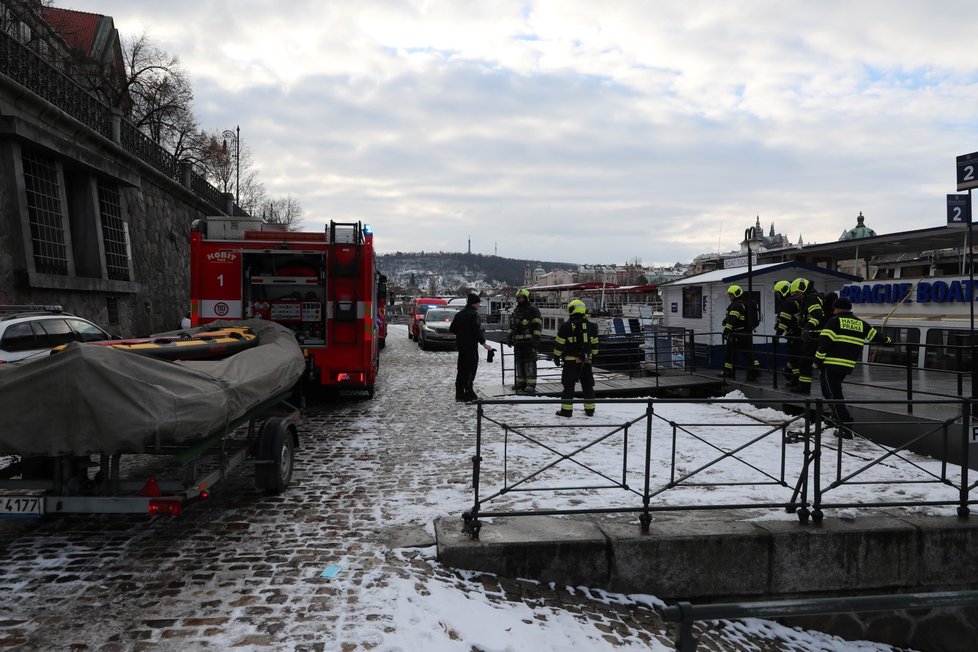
[748, 234]
[236, 135]
[971, 284]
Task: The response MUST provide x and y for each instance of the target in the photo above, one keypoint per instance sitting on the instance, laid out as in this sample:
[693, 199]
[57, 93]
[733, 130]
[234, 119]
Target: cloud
[572, 130]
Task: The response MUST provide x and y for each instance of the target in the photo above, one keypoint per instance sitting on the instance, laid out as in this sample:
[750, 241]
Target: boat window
[693, 302]
[947, 348]
[898, 352]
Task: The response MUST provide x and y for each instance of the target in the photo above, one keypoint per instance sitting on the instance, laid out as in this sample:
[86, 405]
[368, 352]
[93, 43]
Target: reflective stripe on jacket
[576, 338]
[787, 323]
[812, 313]
[525, 324]
[735, 320]
[842, 339]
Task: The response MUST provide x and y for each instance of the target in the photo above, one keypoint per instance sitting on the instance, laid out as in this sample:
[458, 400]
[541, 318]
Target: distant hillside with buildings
[456, 274]
[448, 273]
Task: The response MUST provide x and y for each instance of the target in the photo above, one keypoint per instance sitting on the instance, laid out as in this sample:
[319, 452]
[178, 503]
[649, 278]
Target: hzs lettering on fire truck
[222, 256]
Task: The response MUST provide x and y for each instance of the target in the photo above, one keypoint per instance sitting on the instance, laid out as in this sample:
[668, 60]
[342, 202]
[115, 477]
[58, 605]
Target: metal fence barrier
[674, 454]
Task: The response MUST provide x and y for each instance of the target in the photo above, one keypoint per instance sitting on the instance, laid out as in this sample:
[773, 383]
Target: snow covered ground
[244, 571]
[457, 615]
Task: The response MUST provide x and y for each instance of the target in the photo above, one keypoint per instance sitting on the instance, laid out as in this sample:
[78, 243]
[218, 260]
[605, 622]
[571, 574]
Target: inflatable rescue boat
[207, 344]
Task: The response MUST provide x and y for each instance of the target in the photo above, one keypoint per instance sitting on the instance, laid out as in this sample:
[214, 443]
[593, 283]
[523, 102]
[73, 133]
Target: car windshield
[439, 315]
[425, 307]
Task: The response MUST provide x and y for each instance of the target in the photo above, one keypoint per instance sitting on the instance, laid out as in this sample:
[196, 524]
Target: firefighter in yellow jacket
[738, 329]
[811, 316]
[840, 346]
[575, 346]
[525, 325]
[786, 326]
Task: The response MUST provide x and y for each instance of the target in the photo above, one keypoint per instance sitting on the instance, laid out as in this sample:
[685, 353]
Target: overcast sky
[582, 131]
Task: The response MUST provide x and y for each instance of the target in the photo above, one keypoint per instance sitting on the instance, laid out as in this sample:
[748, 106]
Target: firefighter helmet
[523, 293]
[800, 285]
[736, 291]
[782, 288]
[576, 307]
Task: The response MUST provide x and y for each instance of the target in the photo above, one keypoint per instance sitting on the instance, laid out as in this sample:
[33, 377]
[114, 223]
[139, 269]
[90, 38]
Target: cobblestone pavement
[242, 569]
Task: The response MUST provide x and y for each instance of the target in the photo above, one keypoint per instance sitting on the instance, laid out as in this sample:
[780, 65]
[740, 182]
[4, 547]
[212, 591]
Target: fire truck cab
[321, 285]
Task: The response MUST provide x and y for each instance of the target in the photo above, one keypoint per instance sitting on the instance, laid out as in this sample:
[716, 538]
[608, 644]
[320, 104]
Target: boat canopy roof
[587, 285]
[737, 273]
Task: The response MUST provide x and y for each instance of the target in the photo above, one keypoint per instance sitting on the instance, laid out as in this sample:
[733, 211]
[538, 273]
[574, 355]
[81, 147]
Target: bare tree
[216, 157]
[284, 210]
[217, 161]
[160, 93]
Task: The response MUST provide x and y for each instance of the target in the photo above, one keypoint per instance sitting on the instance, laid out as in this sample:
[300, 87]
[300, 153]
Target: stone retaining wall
[698, 560]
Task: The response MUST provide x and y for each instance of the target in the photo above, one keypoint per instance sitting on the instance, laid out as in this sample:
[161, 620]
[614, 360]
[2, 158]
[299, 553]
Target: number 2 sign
[958, 209]
[968, 171]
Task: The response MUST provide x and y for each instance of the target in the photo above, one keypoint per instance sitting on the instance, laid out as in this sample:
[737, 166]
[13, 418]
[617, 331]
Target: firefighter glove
[556, 361]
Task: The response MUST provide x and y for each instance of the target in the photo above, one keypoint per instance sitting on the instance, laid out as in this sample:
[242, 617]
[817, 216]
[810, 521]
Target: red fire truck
[382, 309]
[322, 285]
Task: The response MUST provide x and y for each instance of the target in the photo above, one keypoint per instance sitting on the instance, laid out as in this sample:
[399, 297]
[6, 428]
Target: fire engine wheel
[276, 457]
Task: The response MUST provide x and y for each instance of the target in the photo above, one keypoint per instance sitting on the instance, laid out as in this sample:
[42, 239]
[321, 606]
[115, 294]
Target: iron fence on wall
[24, 66]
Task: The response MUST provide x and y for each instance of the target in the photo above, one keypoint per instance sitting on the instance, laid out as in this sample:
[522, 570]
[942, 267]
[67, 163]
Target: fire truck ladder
[345, 233]
[347, 272]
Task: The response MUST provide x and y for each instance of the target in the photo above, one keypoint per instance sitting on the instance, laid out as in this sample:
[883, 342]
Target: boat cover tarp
[96, 399]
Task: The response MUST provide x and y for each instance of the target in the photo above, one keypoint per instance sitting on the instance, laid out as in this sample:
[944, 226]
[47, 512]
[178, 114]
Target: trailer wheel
[276, 460]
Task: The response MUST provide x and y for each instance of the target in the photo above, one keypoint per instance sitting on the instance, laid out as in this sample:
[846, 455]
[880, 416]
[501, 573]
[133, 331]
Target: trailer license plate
[21, 506]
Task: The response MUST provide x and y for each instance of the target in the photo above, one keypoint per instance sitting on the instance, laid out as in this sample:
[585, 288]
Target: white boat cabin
[699, 303]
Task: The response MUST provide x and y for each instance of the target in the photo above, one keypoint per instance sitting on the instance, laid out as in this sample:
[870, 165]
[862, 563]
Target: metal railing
[25, 67]
[661, 456]
[656, 350]
[910, 378]
[685, 613]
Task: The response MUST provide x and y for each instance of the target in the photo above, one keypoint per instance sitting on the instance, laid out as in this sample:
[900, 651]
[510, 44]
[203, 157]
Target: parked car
[26, 333]
[421, 306]
[434, 329]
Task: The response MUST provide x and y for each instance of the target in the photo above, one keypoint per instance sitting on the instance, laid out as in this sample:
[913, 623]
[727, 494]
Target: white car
[433, 333]
[27, 333]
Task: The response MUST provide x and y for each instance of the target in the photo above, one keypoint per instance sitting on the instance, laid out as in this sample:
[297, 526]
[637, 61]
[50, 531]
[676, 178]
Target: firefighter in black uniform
[840, 346]
[575, 346]
[467, 327]
[737, 335]
[525, 325]
[811, 316]
[786, 326]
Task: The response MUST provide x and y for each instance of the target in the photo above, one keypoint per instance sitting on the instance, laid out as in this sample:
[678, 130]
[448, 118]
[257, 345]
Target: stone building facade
[95, 217]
